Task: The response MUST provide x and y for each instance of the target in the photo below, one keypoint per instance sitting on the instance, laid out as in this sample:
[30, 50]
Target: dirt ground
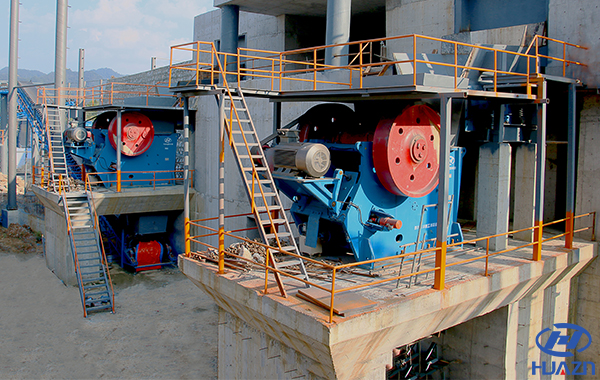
[164, 326]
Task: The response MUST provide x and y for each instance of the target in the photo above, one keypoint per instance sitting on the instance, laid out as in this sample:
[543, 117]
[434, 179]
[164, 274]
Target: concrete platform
[59, 257]
[270, 336]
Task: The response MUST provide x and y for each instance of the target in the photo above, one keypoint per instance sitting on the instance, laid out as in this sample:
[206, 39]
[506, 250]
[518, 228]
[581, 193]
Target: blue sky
[120, 34]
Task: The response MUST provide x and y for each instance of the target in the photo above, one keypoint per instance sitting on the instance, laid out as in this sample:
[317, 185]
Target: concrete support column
[524, 208]
[337, 31]
[60, 63]
[493, 193]
[230, 15]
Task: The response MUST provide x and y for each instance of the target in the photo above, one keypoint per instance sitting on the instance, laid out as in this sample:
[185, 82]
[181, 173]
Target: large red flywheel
[406, 152]
[137, 133]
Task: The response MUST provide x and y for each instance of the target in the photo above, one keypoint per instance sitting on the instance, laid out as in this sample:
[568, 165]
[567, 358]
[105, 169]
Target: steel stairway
[265, 201]
[56, 149]
[91, 267]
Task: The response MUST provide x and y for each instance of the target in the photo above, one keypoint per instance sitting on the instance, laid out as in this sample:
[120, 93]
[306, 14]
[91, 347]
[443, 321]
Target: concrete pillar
[502, 344]
[524, 208]
[337, 31]
[230, 15]
[60, 59]
[587, 311]
[493, 193]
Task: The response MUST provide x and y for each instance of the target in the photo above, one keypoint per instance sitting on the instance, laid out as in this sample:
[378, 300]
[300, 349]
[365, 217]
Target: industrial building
[369, 197]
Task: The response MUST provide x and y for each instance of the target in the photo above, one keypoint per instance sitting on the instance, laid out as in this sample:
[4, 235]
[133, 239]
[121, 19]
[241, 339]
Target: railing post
[42, 176]
[332, 295]
[414, 60]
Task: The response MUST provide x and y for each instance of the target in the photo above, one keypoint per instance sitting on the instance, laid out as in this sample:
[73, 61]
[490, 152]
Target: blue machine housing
[154, 167]
[336, 210]
[99, 154]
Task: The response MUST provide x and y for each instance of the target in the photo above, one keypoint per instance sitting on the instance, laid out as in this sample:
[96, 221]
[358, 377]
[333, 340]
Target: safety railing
[539, 41]
[282, 67]
[224, 259]
[43, 177]
[104, 94]
[154, 179]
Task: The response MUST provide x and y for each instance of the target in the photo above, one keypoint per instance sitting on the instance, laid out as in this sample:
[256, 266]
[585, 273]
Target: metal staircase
[56, 148]
[91, 267]
[267, 208]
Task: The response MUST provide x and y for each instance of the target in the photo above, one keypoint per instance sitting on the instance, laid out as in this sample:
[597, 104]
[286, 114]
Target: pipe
[81, 90]
[12, 105]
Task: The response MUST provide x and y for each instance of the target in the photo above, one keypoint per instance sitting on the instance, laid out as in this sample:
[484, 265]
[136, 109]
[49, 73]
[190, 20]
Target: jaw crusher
[368, 191]
[148, 144]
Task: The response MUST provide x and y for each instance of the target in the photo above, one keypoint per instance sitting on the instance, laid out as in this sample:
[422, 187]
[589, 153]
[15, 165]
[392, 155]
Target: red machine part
[406, 152]
[148, 253]
[137, 133]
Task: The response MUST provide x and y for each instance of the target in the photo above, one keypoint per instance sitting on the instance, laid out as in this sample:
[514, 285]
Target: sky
[119, 34]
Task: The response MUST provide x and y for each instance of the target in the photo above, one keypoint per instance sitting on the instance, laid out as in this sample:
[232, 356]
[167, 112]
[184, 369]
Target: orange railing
[282, 67]
[386, 261]
[43, 177]
[103, 94]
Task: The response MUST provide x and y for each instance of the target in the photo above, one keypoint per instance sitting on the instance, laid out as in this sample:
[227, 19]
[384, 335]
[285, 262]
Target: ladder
[266, 205]
[93, 277]
[56, 148]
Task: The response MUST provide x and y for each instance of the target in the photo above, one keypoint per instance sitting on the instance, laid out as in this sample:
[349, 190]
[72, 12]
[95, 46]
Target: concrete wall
[262, 32]
[59, 258]
[434, 18]
[576, 21]
[501, 344]
[587, 311]
[588, 166]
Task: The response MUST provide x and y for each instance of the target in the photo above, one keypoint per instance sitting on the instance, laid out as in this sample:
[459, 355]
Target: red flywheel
[137, 133]
[406, 152]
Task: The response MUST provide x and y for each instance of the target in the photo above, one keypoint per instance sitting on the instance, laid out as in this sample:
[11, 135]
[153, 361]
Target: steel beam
[442, 209]
[119, 144]
[222, 183]
[540, 170]
[571, 165]
[186, 173]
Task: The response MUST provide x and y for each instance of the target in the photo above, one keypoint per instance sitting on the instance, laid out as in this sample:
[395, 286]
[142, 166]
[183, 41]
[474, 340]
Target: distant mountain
[91, 77]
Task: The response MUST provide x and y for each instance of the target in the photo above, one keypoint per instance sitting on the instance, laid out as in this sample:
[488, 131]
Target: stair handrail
[90, 193]
[63, 195]
[254, 171]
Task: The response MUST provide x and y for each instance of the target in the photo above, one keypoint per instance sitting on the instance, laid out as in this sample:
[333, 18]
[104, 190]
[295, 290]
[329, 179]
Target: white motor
[310, 158]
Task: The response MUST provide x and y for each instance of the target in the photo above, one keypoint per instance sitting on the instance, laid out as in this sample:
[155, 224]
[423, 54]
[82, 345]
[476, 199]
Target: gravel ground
[164, 326]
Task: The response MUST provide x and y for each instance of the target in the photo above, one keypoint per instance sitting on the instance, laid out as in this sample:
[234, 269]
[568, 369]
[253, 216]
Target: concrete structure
[492, 333]
[493, 193]
[267, 336]
[488, 324]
